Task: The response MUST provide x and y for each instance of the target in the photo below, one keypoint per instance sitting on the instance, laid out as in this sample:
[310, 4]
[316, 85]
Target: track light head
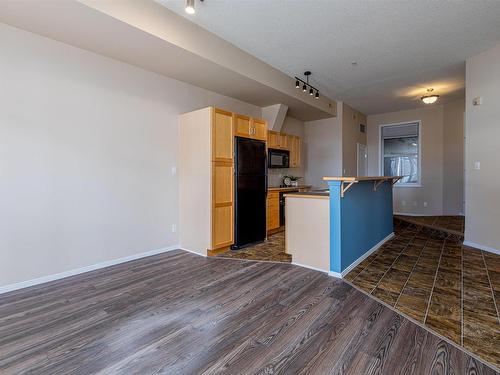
[311, 92]
[317, 95]
[304, 88]
[297, 84]
[190, 7]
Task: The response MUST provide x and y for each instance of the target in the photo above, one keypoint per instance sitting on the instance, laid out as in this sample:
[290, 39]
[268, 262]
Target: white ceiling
[401, 47]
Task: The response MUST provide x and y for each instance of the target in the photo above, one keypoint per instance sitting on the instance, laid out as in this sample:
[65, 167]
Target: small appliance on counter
[290, 181]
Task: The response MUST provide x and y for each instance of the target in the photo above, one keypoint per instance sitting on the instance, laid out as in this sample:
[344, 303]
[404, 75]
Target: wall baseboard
[309, 267]
[192, 251]
[77, 271]
[367, 254]
[340, 275]
[482, 247]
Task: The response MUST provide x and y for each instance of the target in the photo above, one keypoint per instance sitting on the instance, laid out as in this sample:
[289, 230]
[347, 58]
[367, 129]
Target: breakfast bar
[341, 226]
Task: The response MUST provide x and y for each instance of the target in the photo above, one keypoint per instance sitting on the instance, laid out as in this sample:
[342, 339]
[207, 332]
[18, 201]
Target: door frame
[357, 157]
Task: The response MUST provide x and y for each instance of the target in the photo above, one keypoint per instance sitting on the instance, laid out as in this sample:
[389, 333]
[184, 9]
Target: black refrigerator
[250, 184]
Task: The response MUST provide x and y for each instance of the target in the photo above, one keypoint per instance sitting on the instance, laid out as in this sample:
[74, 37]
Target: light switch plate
[477, 165]
[477, 101]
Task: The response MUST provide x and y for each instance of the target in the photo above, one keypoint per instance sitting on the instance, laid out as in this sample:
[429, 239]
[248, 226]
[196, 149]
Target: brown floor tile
[385, 295]
[447, 327]
[447, 279]
[419, 261]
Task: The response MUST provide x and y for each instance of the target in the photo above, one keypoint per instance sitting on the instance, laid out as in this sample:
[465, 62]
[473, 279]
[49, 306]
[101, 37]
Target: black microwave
[278, 158]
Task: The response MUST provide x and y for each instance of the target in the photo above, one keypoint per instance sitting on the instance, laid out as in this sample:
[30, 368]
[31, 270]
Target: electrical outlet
[425, 204]
[403, 203]
[477, 165]
[174, 170]
[174, 228]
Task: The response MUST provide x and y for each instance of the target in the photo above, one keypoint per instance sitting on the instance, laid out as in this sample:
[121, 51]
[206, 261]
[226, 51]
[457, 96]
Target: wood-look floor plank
[178, 313]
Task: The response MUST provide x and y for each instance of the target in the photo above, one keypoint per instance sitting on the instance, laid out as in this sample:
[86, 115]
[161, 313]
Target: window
[400, 152]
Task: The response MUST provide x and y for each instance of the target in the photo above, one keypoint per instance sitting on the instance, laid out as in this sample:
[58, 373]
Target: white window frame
[381, 154]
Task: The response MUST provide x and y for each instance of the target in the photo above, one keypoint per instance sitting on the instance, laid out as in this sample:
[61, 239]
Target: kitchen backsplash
[275, 175]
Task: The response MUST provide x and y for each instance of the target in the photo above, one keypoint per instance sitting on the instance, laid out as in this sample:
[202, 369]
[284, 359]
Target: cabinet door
[222, 204]
[283, 141]
[242, 126]
[297, 151]
[272, 139]
[273, 211]
[293, 152]
[222, 135]
[258, 129]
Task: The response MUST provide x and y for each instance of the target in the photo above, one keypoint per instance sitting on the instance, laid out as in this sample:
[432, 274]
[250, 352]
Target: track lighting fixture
[306, 85]
[190, 9]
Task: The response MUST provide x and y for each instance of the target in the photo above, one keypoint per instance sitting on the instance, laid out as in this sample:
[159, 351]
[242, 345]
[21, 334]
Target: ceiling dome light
[430, 98]
[190, 7]
[297, 84]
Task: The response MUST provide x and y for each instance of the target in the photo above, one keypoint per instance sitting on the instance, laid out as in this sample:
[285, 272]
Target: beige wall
[412, 200]
[453, 157]
[323, 149]
[294, 127]
[87, 148]
[482, 189]
[351, 136]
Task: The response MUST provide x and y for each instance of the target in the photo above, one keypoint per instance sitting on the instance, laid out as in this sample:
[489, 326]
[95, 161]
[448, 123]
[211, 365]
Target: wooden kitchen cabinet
[206, 180]
[248, 127]
[273, 210]
[242, 126]
[273, 139]
[286, 142]
[258, 129]
[294, 143]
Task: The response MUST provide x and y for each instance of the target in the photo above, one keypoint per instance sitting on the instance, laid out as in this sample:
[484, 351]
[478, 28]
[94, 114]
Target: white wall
[482, 198]
[453, 157]
[323, 149]
[411, 200]
[87, 144]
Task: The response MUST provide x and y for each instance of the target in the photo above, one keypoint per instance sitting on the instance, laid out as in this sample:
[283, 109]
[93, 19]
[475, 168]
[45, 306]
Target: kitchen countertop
[310, 194]
[278, 188]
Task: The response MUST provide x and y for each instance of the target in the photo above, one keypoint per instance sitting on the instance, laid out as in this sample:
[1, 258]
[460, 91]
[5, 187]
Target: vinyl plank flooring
[184, 314]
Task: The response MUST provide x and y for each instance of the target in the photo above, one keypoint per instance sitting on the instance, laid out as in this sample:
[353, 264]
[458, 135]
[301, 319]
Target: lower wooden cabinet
[273, 210]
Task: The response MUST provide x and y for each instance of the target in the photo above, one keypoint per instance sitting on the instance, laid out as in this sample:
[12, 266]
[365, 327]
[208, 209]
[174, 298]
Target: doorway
[362, 158]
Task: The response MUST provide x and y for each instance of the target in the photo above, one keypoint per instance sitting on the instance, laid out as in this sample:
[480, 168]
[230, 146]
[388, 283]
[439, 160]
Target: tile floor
[452, 289]
[452, 226]
[272, 250]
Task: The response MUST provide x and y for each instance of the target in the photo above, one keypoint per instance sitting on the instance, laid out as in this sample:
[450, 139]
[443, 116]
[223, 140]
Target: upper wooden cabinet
[222, 135]
[242, 126]
[258, 129]
[286, 142]
[294, 143]
[247, 127]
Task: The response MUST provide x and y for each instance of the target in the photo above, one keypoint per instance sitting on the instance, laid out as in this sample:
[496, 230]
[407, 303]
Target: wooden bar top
[277, 188]
[363, 178]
